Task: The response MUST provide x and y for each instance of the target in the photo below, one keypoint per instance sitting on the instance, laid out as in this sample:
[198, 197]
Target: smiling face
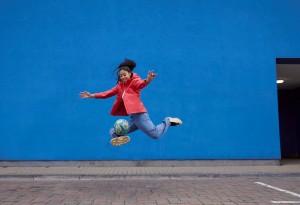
[124, 75]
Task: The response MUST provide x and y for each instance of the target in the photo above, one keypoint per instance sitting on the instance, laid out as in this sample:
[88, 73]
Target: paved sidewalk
[285, 170]
[200, 191]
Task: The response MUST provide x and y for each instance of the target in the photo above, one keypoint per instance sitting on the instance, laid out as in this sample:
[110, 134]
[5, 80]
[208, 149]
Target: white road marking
[278, 189]
[281, 190]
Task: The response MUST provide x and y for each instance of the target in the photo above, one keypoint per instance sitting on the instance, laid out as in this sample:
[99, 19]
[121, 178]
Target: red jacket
[131, 102]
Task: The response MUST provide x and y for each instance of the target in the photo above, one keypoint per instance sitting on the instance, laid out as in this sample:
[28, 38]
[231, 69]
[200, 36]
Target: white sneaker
[175, 121]
[117, 141]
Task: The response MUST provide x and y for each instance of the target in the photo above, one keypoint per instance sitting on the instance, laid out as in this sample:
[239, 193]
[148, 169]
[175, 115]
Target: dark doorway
[288, 70]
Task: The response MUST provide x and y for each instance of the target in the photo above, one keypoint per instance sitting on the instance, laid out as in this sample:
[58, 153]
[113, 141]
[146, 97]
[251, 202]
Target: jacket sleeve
[108, 93]
[139, 83]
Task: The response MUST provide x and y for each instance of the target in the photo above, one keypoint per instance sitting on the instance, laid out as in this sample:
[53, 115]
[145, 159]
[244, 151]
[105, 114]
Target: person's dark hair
[127, 65]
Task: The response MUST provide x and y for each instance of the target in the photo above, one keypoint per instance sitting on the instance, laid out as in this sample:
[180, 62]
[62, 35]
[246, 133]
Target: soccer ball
[121, 127]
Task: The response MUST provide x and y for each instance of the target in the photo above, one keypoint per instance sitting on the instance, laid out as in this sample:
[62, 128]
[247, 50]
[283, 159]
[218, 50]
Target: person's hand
[151, 76]
[86, 94]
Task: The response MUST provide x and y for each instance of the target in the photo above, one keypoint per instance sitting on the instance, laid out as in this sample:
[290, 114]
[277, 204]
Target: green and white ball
[121, 127]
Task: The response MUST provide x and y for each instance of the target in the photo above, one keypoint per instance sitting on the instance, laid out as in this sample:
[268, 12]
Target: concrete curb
[38, 172]
[145, 176]
[140, 163]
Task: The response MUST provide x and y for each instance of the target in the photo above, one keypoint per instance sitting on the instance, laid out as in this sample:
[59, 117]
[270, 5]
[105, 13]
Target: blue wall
[216, 65]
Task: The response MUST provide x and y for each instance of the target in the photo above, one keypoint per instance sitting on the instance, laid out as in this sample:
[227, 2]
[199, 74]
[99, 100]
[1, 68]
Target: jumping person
[128, 102]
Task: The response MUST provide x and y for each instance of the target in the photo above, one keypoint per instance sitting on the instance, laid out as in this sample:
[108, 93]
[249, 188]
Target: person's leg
[112, 133]
[132, 128]
[144, 123]
[118, 140]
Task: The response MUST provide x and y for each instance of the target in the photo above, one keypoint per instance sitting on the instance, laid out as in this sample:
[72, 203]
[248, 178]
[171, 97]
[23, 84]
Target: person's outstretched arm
[86, 94]
[140, 84]
[151, 76]
[106, 94]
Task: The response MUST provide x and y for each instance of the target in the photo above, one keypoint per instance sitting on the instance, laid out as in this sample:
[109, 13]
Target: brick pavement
[228, 185]
[226, 191]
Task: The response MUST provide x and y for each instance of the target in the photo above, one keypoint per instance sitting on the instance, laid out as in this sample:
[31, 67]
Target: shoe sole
[118, 141]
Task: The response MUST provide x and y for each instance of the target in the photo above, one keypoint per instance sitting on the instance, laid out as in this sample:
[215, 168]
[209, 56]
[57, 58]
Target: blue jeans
[143, 122]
